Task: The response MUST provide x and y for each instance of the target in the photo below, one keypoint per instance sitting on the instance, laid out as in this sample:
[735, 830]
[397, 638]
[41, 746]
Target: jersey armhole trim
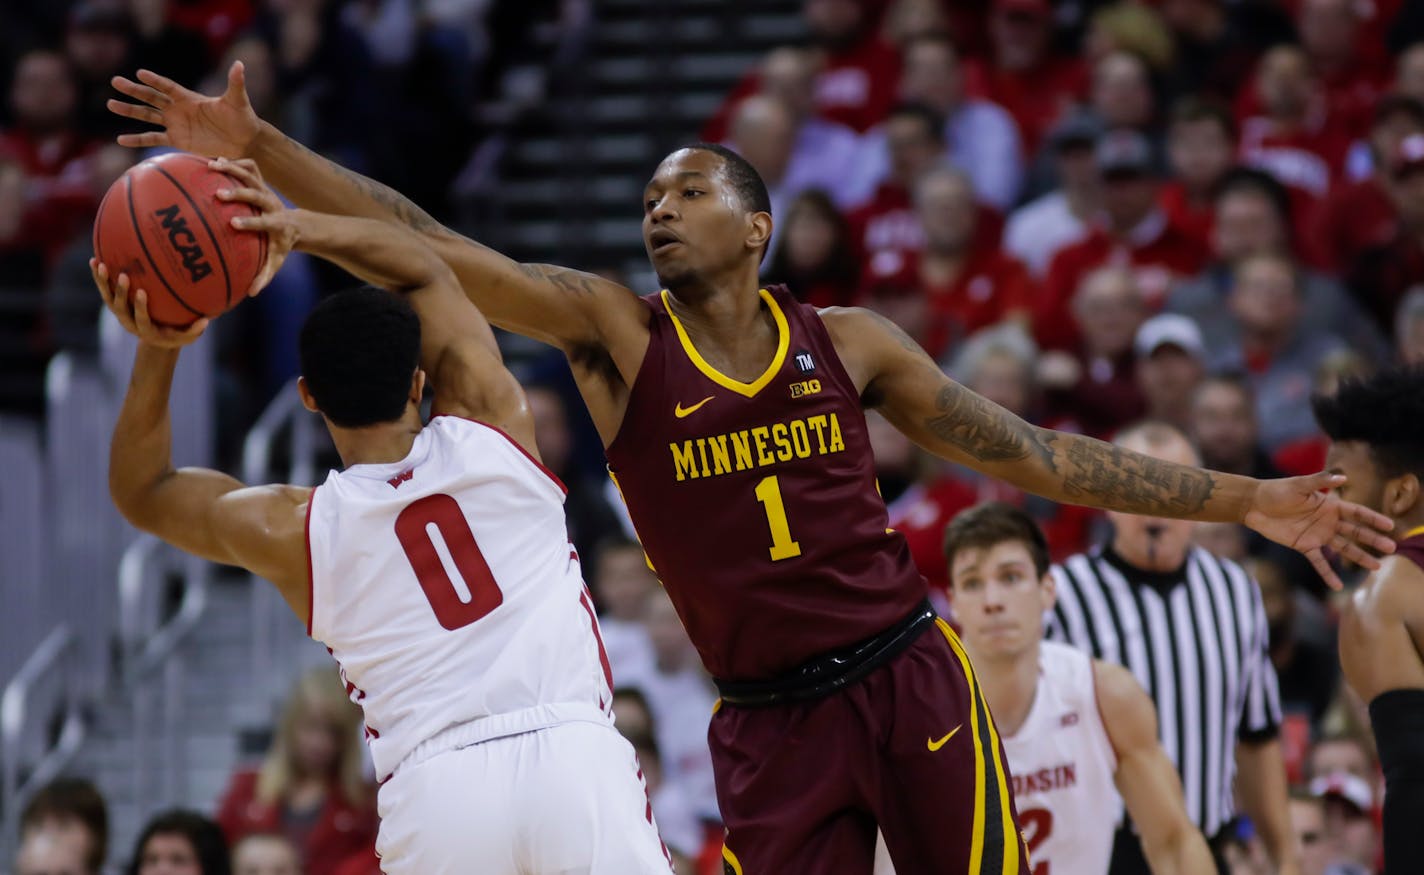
[554, 478]
[311, 577]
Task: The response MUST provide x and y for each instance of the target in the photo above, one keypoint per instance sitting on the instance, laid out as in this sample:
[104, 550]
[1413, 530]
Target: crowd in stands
[1195, 211]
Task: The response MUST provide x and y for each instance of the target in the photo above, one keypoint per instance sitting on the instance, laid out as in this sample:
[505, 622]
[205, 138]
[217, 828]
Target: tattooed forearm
[1103, 475]
[977, 426]
[397, 205]
[562, 278]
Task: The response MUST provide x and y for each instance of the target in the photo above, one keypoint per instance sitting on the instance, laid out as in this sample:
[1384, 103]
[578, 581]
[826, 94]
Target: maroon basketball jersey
[1411, 546]
[756, 502]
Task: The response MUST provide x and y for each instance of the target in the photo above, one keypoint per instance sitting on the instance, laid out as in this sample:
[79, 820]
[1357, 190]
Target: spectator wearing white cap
[1349, 823]
[1171, 362]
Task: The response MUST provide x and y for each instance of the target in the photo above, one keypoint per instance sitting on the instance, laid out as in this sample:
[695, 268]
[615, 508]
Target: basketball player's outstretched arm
[898, 378]
[457, 348]
[1146, 778]
[566, 308]
[203, 512]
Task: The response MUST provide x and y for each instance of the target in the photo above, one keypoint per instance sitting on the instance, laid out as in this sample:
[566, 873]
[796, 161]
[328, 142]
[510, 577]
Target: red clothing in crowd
[1382, 276]
[218, 22]
[1105, 398]
[1158, 252]
[341, 830]
[1036, 99]
[990, 287]
[1356, 217]
[1195, 220]
[887, 222]
[1312, 159]
[59, 192]
[857, 88]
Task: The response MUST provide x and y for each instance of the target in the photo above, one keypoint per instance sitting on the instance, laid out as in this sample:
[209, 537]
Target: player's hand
[222, 126]
[274, 218]
[131, 308]
[1296, 512]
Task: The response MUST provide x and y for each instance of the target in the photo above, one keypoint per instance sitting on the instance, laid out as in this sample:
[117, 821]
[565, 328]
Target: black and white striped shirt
[1196, 640]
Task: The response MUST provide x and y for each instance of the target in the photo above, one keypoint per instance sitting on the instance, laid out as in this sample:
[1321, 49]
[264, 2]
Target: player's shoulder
[1117, 690]
[1394, 591]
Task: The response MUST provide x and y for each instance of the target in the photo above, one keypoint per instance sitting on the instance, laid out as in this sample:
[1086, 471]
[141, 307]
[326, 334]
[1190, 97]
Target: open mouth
[661, 239]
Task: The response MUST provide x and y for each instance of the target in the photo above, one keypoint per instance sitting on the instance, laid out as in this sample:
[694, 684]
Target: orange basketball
[162, 224]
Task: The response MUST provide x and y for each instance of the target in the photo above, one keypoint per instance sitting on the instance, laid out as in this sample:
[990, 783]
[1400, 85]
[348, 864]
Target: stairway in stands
[571, 180]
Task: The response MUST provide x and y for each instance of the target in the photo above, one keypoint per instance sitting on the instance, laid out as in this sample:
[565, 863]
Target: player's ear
[758, 230]
[308, 400]
[417, 387]
[1047, 592]
[1401, 494]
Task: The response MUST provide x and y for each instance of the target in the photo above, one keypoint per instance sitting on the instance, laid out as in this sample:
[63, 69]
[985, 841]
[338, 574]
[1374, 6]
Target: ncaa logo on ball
[184, 243]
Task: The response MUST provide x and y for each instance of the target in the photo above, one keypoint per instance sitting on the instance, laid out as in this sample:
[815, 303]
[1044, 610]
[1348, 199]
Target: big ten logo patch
[805, 387]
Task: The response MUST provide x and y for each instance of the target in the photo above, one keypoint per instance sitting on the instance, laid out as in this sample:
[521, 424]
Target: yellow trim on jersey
[732, 860]
[717, 706]
[618, 486]
[748, 389]
[1011, 834]
[1417, 530]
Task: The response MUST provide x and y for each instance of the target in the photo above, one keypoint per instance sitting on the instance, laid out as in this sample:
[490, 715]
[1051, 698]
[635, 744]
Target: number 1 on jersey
[768, 492]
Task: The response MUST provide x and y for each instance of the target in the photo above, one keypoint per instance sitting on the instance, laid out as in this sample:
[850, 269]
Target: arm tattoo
[561, 278]
[1107, 476]
[980, 427]
[401, 207]
[897, 332]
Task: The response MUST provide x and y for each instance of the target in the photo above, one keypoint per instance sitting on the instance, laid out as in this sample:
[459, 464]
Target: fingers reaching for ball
[130, 307]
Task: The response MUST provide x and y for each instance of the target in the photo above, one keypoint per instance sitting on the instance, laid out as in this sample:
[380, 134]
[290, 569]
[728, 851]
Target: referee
[1192, 629]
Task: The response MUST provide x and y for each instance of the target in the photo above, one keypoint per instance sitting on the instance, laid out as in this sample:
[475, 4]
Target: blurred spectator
[1308, 670]
[1409, 72]
[856, 85]
[1352, 81]
[1225, 428]
[1350, 827]
[1293, 136]
[914, 137]
[921, 497]
[1222, 540]
[1214, 52]
[1036, 231]
[824, 151]
[590, 516]
[631, 714]
[1095, 386]
[681, 697]
[50, 151]
[180, 842]
[907, 20]
[815, 256]
[623, 584]
[1122, 95]
[99, 45]
[44, 853]
[1133, 231]
[1409, 327]
[1201, 148]
[1381, 275]
[981, 138]
[1171, 362]
[311, 787]
[1307, 818]
[952, 288]
[69, 812]
[763, 131]
[266, 854]
[324, 73]
[165, 44]
[1022, 73]
[1252, 218]
[677, 820]
[1359, 214]
[1277, 351]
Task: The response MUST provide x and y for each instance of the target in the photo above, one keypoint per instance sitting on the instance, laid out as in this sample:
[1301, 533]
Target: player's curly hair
[1385, 411]
[359, 351]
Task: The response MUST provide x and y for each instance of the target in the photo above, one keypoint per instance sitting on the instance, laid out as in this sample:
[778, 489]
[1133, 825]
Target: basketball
[162, 224]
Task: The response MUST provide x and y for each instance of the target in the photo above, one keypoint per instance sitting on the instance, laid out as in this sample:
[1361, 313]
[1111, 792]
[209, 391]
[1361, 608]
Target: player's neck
[722, 320]
[1410, 522]
[1010, 686]
[378, 444]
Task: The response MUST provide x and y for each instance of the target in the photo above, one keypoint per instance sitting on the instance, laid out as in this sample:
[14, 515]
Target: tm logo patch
[804, 363]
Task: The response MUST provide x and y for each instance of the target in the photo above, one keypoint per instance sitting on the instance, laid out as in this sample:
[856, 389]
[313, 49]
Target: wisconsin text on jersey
[757, 447]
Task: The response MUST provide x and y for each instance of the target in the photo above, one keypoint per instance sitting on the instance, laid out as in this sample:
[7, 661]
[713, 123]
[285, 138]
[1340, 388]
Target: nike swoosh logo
[679, 411]
[936, 745]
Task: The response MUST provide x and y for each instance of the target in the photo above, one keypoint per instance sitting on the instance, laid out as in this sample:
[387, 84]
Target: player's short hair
[206, 837]
[987, 525]
[72, 799]
[1385, 412]
[359, 350]
[746, 182]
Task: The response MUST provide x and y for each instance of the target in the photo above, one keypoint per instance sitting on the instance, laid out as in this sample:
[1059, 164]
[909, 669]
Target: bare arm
[458, 349]
[563, 307]
[1262, 784]
[1145, 777]
[896, 377]
[203, 512]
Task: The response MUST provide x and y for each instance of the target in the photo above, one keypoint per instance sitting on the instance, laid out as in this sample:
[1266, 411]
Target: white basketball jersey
[1063, 764]
[446, 588]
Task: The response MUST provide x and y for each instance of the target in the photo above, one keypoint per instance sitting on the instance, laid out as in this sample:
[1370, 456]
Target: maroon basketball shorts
[910, 749]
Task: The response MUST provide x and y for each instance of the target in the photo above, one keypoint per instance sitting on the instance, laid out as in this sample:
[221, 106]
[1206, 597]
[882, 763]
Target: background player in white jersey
[436, 566]
[1080, 734]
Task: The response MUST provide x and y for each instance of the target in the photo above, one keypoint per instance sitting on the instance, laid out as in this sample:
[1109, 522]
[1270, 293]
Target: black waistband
[830, 672]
